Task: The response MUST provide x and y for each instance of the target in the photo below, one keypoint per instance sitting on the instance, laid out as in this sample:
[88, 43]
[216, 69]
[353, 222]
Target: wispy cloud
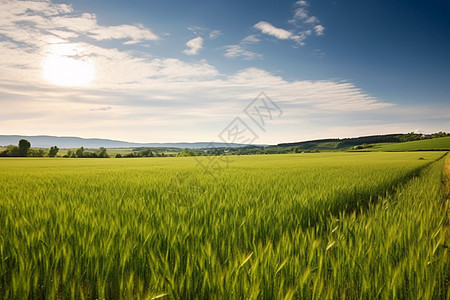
[204, 32]
[135, 33]
[304, 25]
[250, 39]
[214, 34]
[300, 14]
[198, 30]
[194, 46]
[239, 51]
[62, 21]
[312, 20]
[303, 20]
[319, 29]
[271, 30]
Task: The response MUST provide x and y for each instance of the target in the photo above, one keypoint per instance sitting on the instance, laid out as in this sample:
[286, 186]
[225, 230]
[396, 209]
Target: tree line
[373, 139]
[23, 149]
[82, 153]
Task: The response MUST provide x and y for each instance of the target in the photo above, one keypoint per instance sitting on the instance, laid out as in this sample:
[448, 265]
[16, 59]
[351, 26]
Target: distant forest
[373, 139]
[24, 148]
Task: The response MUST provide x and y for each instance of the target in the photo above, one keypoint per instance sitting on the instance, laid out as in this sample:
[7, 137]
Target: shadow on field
[358, 201]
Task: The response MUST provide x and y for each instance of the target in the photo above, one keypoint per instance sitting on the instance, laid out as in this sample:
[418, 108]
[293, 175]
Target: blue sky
[167, 71]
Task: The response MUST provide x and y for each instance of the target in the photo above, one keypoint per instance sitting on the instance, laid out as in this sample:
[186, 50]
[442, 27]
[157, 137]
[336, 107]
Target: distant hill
[425, 145]
[46, 141]
[332, 144]
[349, 143]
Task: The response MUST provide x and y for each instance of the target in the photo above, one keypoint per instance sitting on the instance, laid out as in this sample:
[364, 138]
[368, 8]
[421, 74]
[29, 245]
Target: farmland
[317, 225]
[442, 144]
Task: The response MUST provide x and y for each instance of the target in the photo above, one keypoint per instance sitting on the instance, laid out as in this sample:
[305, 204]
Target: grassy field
[325, 225]
[431, 144]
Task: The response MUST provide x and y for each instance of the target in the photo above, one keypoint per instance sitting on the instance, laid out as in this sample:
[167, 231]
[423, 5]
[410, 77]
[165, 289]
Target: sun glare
[63, 67]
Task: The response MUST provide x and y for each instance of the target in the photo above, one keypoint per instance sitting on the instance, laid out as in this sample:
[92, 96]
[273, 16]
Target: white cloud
[80, 24]
[299, 38]
[44, 17]
[300, 13]
[312, 20]
[17, 8]
[238, 51]
[304, 25]
[194, 45]
[319, 29]
[271, 30]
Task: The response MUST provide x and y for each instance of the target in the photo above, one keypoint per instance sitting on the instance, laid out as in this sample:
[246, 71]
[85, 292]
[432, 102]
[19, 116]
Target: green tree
[24, 146]
[186, 152]
[90, 154]
[439, 134]
[80, 152]
[147, 153]
[70, 153]
[11, 150]
[36, 153]
[53, 151]
[102, 153]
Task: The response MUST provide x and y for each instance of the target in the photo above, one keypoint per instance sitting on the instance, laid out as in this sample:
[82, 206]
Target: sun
[64, 66]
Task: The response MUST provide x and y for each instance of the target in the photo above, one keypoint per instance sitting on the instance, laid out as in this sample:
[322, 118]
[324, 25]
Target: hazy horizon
[200, 141]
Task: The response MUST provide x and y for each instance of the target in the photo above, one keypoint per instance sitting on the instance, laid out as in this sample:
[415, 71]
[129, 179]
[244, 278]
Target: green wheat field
[295, 226]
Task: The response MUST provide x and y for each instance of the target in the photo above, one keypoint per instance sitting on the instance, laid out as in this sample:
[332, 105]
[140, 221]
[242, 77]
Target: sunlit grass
[442, 143]
[280, 226]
